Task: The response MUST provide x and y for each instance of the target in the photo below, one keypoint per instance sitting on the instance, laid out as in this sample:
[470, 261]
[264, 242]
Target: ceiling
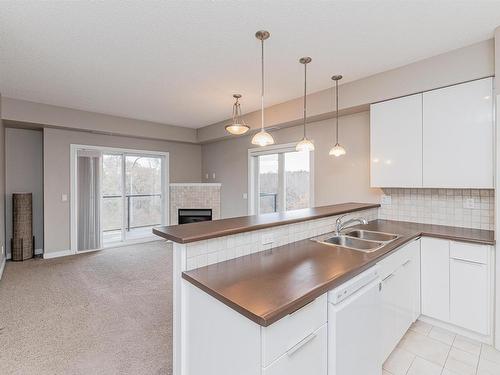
[179, 62]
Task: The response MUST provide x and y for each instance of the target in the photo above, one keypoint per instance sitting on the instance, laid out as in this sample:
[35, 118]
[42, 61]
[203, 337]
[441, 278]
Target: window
[280, 179]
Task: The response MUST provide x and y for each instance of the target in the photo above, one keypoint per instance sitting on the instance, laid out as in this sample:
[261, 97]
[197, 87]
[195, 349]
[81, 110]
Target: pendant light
[305, 144]
[237, 126]
[262, 138]
[338, 149]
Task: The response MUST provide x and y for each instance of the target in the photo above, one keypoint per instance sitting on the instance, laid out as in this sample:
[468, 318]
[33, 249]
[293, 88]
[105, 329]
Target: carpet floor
[106, 312]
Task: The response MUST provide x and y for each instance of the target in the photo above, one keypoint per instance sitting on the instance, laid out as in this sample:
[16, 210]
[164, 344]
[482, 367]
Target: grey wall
[23, 111]
[185, 166]
[24, 173]
[2, 188]
[336, 180]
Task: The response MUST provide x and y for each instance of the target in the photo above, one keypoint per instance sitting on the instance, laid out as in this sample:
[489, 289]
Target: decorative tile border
[204, 253]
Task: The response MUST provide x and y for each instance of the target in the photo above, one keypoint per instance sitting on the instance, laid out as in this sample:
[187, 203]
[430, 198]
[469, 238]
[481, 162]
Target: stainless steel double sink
[357, 239]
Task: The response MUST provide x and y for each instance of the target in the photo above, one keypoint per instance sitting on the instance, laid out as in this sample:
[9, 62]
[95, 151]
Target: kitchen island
[253, 272]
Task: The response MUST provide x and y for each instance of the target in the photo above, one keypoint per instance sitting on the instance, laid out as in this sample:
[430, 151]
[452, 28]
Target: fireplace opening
[194, 215]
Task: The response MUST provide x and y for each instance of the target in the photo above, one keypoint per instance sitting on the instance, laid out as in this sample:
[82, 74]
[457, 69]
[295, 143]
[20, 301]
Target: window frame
[253, 180]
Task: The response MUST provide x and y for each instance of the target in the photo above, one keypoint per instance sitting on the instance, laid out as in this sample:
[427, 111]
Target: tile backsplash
[471, 208]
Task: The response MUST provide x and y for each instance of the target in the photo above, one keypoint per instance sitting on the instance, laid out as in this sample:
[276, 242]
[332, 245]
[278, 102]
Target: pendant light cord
[305, 100]
[337, 109]
[262, 86]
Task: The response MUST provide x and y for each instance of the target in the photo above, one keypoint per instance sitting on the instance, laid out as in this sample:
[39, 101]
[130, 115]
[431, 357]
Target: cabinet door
[411, 281]
[390, 312]
[396, 142]
[309, 356]
[458, 136]
[469, 295]
[435, 274]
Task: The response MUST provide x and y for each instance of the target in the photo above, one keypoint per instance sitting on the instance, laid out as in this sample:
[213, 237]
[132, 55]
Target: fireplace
[194, 215]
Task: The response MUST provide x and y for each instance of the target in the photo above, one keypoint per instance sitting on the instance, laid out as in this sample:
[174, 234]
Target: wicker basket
[22, 243]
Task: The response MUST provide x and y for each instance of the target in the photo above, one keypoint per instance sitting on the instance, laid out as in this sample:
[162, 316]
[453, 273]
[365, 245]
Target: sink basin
[357, 239]
[353, 243]
[371, 236]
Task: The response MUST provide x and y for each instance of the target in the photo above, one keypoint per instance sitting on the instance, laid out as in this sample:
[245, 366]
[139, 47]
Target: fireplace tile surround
[194, 195]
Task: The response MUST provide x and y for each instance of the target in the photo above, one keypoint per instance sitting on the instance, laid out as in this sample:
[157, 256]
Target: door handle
[301, 344]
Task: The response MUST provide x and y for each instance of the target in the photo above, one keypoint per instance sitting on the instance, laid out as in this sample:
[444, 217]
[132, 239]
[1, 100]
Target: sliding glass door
[119, 196]
[280, 179]
[133, 196]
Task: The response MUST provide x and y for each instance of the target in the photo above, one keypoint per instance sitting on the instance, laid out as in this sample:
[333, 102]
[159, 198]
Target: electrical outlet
[206, 176]
[469, 203]
[64, 197]
[245, 196]
[213, 176]
[267, 238]
[386, 199]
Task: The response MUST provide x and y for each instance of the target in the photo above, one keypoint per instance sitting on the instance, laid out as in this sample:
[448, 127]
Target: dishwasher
[354, 310]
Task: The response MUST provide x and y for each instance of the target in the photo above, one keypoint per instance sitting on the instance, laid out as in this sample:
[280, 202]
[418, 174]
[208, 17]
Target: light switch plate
[267, 238]
[245, 196]
[64, 197]
[386, 199]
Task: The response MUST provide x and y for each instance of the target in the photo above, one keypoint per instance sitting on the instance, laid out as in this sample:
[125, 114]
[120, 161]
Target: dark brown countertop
[268, 285]
[211, 229]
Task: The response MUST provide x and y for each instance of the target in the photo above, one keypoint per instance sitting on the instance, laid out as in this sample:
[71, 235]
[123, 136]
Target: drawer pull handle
[301, 344]
[469, 261]
[387, 277]
[407, 262]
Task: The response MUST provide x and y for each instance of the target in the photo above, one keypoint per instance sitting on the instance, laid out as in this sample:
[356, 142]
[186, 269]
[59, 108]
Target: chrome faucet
[339, 225]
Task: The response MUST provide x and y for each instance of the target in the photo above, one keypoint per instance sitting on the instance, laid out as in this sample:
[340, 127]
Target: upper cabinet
[441, 138]
[396, 142]
[458, 136]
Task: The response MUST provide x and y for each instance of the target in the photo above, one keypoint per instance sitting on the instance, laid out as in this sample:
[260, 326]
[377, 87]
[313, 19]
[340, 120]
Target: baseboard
[458, 330]
[2, 267]
[57, 254]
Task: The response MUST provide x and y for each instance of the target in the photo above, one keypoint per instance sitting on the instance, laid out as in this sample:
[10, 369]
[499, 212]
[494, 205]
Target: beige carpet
[107, 312]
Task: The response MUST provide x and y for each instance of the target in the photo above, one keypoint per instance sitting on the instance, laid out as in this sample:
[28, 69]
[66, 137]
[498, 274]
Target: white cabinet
[400, 295]
[396, 142]
[308, 356]
[458, 136]
[287, 332]
[456, 283]
[442, 138]
[435, 278]
[470, 287]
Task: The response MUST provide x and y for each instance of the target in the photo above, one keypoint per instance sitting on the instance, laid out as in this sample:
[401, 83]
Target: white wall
[185, 166]
[24, 173]
[336, 180]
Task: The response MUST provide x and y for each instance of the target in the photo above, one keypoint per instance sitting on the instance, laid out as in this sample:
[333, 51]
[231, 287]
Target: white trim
[2, 267]
[496, 320]
[57, 254]
[208, 184]
[253, 182]
[73, 190]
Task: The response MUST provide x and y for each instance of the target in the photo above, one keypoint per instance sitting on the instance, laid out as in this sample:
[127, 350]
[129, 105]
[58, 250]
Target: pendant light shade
[305, 144]
[237, 126]
[338, 149]
[262, 138]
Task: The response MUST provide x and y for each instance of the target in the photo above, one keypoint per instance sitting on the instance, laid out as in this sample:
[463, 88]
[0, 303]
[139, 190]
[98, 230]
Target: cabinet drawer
[308, 356]
[283, 335]
[470, 252]
[399, 257]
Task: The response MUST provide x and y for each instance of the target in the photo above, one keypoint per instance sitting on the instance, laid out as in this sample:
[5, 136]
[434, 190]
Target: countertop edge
[272, 317]
[227, 232]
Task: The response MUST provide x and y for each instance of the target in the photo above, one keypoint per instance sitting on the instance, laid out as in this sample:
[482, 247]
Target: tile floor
[429, 350]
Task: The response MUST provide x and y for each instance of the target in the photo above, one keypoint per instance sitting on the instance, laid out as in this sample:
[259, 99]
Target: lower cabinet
[400, 293]
[309, 356]
[457, 283]
[435, 278]
[470, 287]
